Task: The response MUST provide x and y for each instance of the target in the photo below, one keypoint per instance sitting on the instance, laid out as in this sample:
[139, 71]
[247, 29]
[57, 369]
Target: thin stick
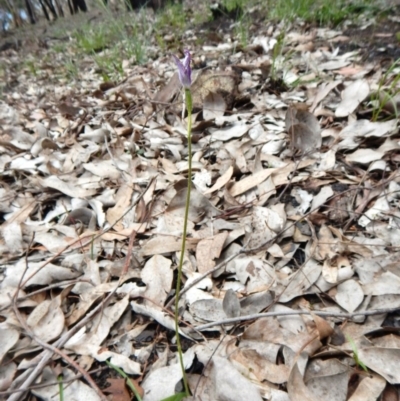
[291, 313]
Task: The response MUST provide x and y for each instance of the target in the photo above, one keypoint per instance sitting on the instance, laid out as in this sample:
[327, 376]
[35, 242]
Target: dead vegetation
[291, 276]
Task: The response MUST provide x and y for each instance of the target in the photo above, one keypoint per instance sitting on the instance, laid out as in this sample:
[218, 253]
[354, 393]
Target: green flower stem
[188, 102]
[60, 387]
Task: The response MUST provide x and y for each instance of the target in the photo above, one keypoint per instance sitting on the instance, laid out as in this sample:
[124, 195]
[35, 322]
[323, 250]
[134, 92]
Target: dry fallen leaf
[213, 106]
[352, 96]
[303, 129]
[118, 390]
[297, 390]
[94, 182]
[157, 275]
[231, 304]
[208, 250]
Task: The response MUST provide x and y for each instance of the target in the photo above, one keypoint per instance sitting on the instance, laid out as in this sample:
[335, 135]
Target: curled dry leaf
[327, 380]
[210, 310]
[7, 373]
[208, 250]
[301, 280]
[383, 361]
[250, 182]
[297, 390]
[200, 206]
[324, 329]
[157, 275]
[352, 96]
[249, 360]
[231, 304]
[229, 384]
[221, 181]
[47, 319]
[118, 390]
[303, 129]
[9, 339]
[349, 295]
[213, 106]
[369, 389]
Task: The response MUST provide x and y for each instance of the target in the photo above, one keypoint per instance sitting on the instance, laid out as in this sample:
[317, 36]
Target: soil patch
[376, 41]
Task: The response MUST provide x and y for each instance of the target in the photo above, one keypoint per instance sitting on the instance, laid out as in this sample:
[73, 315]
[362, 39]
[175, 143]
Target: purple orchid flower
[184, 70]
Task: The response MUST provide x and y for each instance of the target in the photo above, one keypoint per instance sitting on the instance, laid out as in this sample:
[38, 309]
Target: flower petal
[184, 69]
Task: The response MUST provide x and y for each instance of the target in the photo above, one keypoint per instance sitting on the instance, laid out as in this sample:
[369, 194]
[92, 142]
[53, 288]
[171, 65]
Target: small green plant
[277, 52]
[91, 40]
[356, 358]
[242, 30]
[32, 67]
[161, 42]
[232, 5]
[71, 68]
[59, 48]
[60, 387]
[172, 16]
[201, 16]
[322, 12]
[109, 66]
[137, 46]
[388, 89]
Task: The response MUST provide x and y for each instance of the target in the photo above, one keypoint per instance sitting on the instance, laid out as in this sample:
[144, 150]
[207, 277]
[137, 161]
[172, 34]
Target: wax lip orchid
[185, 77]
[184, 70]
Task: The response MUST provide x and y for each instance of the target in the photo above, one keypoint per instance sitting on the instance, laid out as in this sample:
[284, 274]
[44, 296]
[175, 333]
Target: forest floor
[291, 276]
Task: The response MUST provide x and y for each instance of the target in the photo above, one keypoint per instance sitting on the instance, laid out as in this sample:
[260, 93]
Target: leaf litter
[292, 255]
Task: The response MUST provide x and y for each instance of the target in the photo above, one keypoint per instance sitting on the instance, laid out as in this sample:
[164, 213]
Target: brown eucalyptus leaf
[231, 304]
[214, 106]
[297, 390]
[47, 320]
[369, 389]
[9, 339]
[118, 390]
[157, 275]
[303, 129]
[383, 361]
[200, 206]
[209, 249]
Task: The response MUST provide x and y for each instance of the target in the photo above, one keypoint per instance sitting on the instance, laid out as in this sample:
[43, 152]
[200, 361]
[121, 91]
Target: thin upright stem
[188, 102]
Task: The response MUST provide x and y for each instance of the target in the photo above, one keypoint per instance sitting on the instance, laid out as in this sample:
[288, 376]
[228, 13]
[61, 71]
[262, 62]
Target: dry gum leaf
[303, 129]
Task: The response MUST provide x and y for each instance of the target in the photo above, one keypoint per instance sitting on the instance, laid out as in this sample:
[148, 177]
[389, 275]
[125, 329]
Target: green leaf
[175, 397]
[356, 358]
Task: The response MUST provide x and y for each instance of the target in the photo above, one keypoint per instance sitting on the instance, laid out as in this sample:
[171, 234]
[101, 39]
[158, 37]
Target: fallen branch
[291, 313]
